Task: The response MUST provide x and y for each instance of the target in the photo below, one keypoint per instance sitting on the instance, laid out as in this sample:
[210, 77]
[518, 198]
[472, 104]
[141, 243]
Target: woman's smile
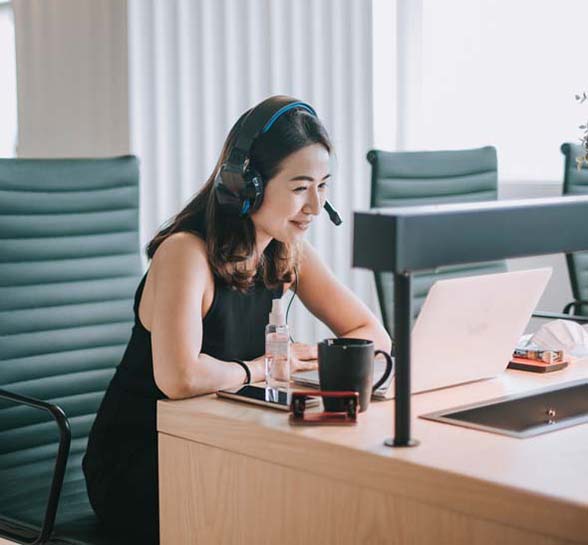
[302, 225]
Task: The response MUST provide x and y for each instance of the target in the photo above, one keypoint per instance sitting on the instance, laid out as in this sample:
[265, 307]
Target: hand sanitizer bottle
[277, 351]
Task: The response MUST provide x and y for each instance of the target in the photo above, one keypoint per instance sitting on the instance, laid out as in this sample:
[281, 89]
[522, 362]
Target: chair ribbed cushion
[69, 265]
[576, 183]
[431, 177]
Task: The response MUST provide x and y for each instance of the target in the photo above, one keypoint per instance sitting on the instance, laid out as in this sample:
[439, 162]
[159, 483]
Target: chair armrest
[559, 316]
[573, 306]
[60, 463]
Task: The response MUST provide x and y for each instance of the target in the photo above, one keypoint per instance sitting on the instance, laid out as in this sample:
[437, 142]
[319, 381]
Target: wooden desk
[235, 473]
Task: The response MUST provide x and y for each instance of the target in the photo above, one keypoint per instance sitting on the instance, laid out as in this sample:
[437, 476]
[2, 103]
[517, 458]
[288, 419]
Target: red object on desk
[535, 366]
[298, 407]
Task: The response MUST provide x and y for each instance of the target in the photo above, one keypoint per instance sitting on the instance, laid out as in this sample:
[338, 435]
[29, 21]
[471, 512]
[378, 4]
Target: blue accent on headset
[245, 207]
[285, 109]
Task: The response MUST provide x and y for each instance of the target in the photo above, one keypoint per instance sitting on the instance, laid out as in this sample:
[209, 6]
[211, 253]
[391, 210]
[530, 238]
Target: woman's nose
[313, 203]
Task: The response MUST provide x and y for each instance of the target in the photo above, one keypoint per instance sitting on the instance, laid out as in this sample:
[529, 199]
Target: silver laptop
[466, 330]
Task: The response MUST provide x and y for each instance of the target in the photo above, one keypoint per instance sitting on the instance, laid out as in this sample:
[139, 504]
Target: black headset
[238, 186]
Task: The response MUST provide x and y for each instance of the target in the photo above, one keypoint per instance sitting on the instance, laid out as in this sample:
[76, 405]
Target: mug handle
[389, 367]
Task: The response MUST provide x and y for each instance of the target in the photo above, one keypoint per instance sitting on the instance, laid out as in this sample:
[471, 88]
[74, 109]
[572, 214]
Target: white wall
[506, 73]
[72, 78]
[468, 73]
[8, 120]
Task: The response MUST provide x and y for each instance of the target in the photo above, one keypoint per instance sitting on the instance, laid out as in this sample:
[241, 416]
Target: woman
[201, 309]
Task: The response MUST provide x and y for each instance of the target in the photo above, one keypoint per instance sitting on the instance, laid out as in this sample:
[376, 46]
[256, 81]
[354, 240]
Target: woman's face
[294, 196]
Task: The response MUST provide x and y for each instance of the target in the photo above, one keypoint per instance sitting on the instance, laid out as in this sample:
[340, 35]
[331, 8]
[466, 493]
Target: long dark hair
[230, 239]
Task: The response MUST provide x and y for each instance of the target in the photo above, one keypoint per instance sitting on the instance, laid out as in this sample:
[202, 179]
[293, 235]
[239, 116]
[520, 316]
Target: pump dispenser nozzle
[276, 316]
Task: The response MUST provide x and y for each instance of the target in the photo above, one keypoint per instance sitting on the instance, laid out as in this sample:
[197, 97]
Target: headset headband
[259, 121]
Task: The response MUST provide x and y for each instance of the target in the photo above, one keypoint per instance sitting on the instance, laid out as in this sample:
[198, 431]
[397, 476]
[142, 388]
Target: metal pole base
[392, 442]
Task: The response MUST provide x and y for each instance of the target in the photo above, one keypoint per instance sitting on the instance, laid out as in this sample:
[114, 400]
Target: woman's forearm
[211, 374]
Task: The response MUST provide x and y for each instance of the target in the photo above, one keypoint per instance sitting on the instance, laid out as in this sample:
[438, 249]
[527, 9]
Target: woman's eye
[302, 188]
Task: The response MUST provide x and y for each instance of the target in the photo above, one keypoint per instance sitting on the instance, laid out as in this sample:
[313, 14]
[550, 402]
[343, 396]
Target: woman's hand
[303, 357]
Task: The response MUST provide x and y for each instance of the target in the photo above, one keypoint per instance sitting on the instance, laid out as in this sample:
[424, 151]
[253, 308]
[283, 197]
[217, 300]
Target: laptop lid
[466, 330]
[468, 327]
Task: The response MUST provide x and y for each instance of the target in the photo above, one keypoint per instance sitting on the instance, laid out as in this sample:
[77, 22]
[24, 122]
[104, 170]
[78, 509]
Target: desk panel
[211, 495]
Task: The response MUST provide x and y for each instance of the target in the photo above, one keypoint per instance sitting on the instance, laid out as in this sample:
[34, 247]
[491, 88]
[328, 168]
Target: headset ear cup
[253, 191]
[228, 186]
[239, 187]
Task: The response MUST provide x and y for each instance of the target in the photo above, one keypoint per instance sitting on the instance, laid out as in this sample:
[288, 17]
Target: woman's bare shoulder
[178, 270]
[181, 247]
[182, 255]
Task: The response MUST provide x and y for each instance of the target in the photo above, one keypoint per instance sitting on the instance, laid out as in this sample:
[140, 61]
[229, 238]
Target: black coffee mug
[348, 364]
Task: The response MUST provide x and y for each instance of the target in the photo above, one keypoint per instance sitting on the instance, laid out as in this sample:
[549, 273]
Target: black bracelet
[246, 368]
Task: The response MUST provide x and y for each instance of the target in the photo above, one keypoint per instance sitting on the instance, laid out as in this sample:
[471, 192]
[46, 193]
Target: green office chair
[576, 183]
[430, 177]
[69, 266]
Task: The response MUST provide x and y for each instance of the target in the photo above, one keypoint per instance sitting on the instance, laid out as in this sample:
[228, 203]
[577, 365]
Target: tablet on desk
[259, 395]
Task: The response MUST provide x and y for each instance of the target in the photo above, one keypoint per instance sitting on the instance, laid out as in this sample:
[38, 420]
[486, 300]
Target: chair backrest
[69, 266]
[576, 183]
[431, 177]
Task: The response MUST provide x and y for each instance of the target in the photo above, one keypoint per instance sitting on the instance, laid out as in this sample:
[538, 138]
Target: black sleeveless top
[124, 436]
[232, 328]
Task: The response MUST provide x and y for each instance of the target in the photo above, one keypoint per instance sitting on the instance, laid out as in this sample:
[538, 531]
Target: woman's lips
[302, 225]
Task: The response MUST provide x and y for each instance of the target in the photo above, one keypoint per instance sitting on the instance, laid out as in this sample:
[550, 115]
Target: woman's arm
[335, 305]
[180, 277]
[210, 374]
